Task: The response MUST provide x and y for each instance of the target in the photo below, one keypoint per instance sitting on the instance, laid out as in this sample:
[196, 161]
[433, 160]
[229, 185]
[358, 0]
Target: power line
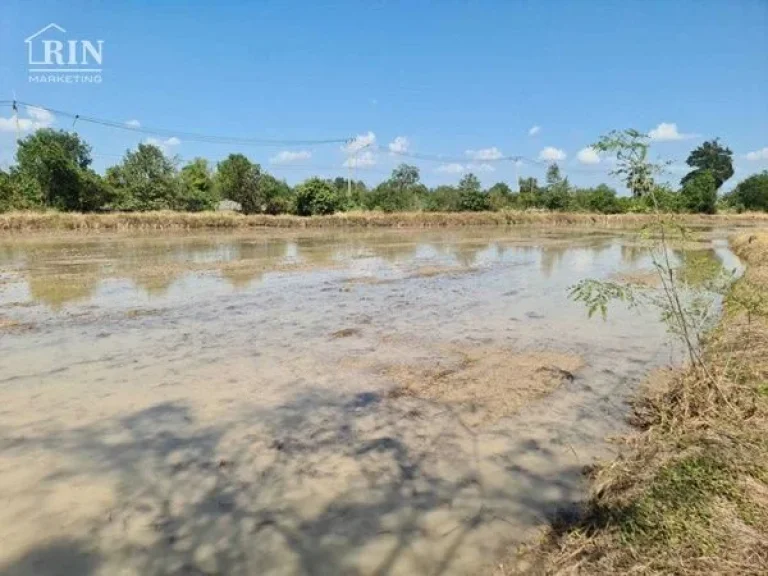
[467, 162]
[166, 133]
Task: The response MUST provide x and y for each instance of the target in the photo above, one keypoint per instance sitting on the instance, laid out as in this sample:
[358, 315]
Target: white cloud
[481, 167]
[40, 115]
[38, 118]
[367, 158]
[133, 123]
[399, 145]
[453, 168]
[359, 142]
[288, 156]
[164, 145]
[667, 132]
[534, 130]
[485, 154]
[588, 155]
[761, 154]
[552, 154]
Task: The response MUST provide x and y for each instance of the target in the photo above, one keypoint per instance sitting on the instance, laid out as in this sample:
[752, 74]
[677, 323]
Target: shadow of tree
[325, 484]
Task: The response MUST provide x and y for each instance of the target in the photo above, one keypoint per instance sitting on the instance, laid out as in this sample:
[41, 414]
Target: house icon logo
[53, 57]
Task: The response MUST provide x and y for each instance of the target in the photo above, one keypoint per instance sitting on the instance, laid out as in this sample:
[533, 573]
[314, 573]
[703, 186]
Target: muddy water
[219, 404]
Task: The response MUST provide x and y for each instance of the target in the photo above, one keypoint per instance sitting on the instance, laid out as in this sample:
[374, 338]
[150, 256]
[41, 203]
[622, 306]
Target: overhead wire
[167, 133]
[468, 162]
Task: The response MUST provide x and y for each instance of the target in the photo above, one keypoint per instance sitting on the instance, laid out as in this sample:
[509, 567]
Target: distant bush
[750, 194]
[316, 197]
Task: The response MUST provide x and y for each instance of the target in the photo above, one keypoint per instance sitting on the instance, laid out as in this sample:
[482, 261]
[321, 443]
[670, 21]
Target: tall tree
[699, 193]
[500, 196]
[713, 157]
[277, 195]
[197, 187]
[471, 196]
[146, 180]
[54, 168]
[405, 176]
[237, 179]
[557, 195]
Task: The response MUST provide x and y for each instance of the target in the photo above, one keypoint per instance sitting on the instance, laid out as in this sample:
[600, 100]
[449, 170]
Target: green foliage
[7, 192]
[443, 199]
[237, 179]
[277, 195]
[353, 195]
[530, 195]
[316, 197]
[471, 196]
[402, 192]
[600, 199]
[145, 180]
[53, 171]
[198, 192]
[631, 150]
[557, 194]
[679, 503]
[597, 295]
[751, 193]
[710, 157]
[500, 196]
[699, 192]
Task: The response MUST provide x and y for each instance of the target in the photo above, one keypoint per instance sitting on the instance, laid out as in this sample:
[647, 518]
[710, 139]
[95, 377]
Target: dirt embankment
[688, 493]
[168, 220]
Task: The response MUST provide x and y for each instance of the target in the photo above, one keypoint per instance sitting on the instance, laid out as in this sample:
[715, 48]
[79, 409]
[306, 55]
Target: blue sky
[468, 80]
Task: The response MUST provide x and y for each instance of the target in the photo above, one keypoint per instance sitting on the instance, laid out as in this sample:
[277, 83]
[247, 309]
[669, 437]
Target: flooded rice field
[380, 402]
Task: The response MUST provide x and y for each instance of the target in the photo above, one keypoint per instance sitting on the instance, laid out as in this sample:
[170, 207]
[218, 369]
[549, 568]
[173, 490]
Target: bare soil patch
[484, 384]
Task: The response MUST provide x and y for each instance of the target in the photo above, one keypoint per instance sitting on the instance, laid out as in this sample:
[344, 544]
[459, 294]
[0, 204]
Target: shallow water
[218, 404]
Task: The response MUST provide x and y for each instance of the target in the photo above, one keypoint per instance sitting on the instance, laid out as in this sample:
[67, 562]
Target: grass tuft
[688, 492]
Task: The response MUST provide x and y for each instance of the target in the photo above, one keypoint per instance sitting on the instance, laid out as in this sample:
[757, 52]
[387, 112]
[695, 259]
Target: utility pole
[15, 108]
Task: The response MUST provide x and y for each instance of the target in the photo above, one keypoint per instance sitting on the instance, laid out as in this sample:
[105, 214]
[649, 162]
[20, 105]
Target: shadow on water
[273, 498]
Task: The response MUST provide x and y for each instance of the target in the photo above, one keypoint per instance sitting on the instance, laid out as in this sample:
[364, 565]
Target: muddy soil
[397, 402]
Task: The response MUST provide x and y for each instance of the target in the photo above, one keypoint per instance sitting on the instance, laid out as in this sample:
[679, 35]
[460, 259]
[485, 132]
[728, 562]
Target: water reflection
[57, 272]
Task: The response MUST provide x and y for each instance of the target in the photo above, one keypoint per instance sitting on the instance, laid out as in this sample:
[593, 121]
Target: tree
[599, 199]
[500, 196]
[237, 179]
[8, 192]
[557, 194]
[699, 193]
[405, 176]
[530, 195]
[631, 150]
[53, 167]
[471, 196]
[397, 194]
[442, 199]
[277, 195]
[145, 180]
[713, 157]
[751, 193]
[316, 196]
[197, 187]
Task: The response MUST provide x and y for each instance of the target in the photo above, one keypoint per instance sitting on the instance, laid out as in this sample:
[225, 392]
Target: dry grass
[483, 384]
[689, 492]
[167, 220]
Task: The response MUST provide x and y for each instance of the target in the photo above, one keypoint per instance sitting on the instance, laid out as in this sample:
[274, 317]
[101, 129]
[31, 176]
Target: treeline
[53, 171]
